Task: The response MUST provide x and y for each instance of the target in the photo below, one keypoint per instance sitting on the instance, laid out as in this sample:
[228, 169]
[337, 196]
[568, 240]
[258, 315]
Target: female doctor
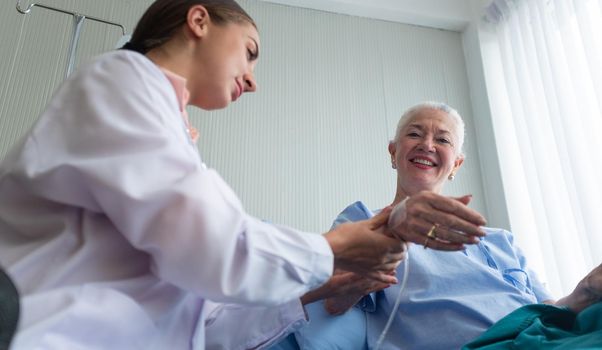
[112, 227]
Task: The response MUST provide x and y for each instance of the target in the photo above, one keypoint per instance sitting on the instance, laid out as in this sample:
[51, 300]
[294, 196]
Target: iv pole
[78, 22]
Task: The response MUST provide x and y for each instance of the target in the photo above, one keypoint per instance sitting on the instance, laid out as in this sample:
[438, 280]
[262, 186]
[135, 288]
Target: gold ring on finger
[432, 234]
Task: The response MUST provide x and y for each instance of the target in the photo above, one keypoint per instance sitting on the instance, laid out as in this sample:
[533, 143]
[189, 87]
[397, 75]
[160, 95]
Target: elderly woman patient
[462, 279]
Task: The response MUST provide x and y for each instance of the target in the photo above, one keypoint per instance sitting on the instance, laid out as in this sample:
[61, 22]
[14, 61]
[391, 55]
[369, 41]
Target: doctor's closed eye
[253, 50]
[251, 55]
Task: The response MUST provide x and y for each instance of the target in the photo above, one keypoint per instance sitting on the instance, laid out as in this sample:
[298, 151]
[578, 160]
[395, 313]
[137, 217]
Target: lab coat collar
[179, 84]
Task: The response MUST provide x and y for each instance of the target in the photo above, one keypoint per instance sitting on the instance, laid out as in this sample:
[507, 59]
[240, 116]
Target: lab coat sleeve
[112, 142]
[238, 327]
[229, 326]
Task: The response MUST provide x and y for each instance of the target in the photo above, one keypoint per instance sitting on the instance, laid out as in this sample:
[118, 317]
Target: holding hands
[364, 247]
[438, 222]
[427, 218]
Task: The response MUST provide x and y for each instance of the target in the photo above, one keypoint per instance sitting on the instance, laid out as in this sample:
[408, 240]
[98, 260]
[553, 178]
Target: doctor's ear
[198, 20]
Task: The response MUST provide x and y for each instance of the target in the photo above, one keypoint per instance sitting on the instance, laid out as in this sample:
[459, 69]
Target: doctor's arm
[235, 326]
[130, 159]
[241, 327]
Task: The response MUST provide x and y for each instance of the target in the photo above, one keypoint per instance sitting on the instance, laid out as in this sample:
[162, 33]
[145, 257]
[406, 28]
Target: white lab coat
[256, 327]
[115, 231]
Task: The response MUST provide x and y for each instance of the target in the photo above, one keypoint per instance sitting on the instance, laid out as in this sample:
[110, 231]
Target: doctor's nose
[250, 84]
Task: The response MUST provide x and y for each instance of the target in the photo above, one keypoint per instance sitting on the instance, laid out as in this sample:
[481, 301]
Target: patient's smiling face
[426, 152]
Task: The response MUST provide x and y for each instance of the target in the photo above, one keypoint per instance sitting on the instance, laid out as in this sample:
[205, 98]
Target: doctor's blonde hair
[164, 17]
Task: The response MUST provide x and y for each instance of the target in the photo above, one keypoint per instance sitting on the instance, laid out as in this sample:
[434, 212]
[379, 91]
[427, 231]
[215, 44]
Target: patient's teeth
[423, 161]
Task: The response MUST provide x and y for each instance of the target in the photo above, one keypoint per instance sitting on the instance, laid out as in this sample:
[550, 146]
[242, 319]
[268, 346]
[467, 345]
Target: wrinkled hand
[587, 292]
[341, 285]
[351, 293]
[364, 247]
[455, 223]
[592, 283]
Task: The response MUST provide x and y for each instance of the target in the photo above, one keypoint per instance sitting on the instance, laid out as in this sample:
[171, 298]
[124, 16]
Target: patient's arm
[587, 292]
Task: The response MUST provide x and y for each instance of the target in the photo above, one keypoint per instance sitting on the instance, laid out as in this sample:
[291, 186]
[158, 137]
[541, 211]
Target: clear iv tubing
[398, 214]
[404, 280]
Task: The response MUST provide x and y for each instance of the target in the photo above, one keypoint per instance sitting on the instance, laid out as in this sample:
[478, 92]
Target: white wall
[451, 15]
[314, 137]
[33, 52]
[332, 87]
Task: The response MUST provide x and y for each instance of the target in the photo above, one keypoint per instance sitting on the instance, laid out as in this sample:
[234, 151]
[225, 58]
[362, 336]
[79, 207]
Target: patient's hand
[587, 292]
[364, 248]
[350, 294]
[340, 305]
[591, 286]
[341, 288]
[439, 222]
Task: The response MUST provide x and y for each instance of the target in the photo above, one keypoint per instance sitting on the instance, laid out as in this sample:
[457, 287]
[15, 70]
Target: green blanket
[542, 326]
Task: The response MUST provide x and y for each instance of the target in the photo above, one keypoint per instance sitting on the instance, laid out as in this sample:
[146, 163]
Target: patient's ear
[458, 163]
[392, 149]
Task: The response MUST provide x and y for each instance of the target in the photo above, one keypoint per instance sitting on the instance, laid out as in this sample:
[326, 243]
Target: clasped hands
[439, 222]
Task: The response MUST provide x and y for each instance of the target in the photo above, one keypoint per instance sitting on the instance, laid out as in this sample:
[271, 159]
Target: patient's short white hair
[452, 113]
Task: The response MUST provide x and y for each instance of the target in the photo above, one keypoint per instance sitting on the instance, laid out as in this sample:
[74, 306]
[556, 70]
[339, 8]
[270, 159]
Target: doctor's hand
[587, 292]
[439, 222]
[366, 248]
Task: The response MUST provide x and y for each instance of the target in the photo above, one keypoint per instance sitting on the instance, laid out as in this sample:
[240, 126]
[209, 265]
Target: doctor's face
[425, 153]
[227, 57]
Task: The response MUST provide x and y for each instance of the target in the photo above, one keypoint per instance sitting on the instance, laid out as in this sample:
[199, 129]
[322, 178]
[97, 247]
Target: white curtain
[551, 58]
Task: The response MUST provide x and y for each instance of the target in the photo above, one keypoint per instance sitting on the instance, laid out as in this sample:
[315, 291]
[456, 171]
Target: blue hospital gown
[450, 298]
